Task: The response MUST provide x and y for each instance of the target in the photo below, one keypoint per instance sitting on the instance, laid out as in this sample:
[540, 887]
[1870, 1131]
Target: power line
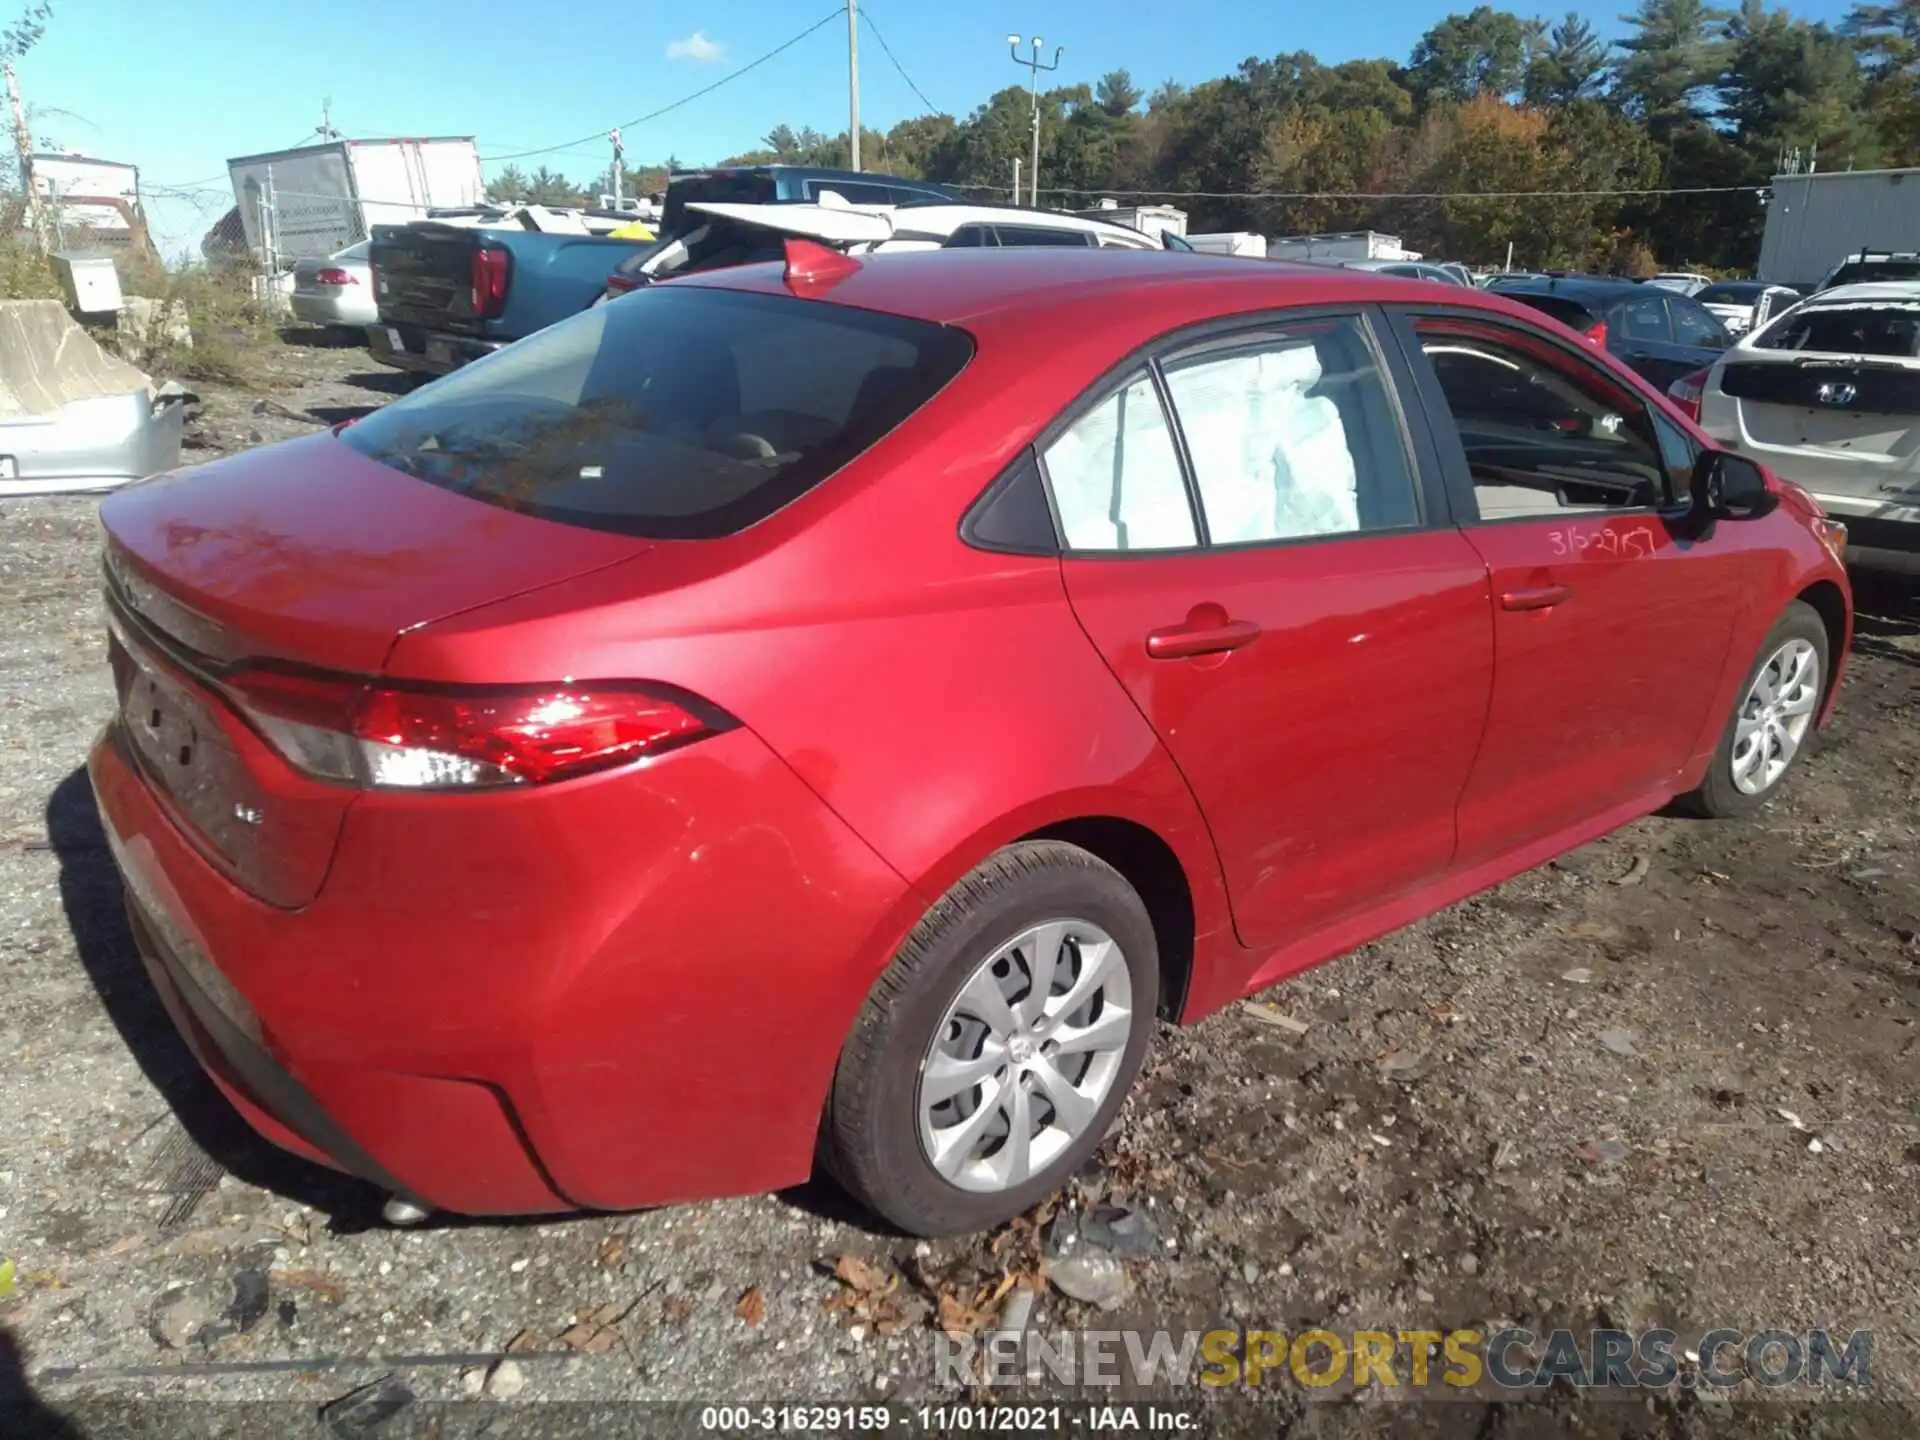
[727, 79]
[1376, 194]
[867, 15]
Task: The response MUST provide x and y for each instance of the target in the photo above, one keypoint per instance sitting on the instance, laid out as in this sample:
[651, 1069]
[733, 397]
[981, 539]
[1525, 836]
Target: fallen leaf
[521, 1343]
[676, 1308]
[1636, 872]
[1268, 1015]
[751, 1306]
[862, 1275]
[613, 1250]
[1578, 976]
[6, 1278]
[1595, 929]
[575, 1337]
[601, 1343]
[1792, 1119]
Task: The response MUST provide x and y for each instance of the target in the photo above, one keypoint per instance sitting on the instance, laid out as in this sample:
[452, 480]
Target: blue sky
[178, 88]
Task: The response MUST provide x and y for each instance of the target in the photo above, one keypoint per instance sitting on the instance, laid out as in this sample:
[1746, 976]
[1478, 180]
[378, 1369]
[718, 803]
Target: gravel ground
[1670, 1080]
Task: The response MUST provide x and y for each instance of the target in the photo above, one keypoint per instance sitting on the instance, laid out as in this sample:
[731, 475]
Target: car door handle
[1202, 634]
[1538, 597]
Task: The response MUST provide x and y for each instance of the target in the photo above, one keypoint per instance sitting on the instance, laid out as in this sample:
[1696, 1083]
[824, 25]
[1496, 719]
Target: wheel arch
[1829, 602]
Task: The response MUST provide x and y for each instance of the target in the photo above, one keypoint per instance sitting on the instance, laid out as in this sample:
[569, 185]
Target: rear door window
[1642, 319]
[680, 413]
[1041, 235]
[966, 235]
[852, 192]
[1695, 325]
[1115, 476]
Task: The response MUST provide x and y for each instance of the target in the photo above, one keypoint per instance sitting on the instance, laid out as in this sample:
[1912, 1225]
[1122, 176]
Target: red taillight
[1596, 333]
[1687, 390]
[489, 277]
[333, 275]
[622, 283]
[391, 737]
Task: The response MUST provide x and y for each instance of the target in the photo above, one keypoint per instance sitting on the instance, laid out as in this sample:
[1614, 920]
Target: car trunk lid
[1844, 425]
[300, 556]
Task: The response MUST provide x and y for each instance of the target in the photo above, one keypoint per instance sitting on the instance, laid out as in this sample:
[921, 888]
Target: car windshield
[1873, 327]
[1738, 292]
[676, 413]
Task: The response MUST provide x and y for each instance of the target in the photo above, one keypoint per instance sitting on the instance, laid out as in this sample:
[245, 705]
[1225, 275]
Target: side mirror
[1730, 487]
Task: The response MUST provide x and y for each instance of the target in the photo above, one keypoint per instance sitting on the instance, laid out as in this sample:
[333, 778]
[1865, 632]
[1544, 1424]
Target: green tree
[509, 187]
[1483, 52]
[1888, 40]
[1670, 57]
[1117, 94]
[1570, 66]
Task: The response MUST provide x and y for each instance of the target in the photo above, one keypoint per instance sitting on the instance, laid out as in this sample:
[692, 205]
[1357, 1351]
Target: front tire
[1772, 720]
[994, 1052]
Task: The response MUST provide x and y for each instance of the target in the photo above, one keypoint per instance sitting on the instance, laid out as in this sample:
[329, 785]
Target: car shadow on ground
[90, 893]
[1886, 621]
[322, 337]
[24, 1415]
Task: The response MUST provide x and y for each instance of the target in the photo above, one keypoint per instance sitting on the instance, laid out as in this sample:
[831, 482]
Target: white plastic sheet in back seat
[1273, 462]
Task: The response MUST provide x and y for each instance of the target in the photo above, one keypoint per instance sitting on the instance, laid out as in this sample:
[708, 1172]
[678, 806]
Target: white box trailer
[1230, 242]
[1155, 220]
[314, 200]
[1815, 221]
[1341, 245]
[80, 193]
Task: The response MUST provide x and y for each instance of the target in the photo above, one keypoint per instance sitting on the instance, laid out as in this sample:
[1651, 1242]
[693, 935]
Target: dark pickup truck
[451, 293]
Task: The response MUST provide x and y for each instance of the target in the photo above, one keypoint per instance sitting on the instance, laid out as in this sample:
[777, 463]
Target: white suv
[1828, 396]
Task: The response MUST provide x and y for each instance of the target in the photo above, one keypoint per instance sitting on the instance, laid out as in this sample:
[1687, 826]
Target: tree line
[1497, 129]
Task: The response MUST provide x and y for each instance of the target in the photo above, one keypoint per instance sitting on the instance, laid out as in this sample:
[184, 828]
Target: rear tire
[1024, 1000]
[1772, 720]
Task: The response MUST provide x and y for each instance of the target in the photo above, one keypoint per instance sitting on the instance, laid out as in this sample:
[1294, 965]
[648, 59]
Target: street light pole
[1034, 67]
[853, 84]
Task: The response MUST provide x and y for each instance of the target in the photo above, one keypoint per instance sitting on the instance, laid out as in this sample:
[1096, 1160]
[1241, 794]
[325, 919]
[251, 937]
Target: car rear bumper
[546, 1008]
[425, 352]
[345, 309]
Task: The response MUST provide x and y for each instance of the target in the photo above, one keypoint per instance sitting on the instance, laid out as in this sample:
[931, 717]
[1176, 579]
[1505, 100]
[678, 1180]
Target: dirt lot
[1669, 1081]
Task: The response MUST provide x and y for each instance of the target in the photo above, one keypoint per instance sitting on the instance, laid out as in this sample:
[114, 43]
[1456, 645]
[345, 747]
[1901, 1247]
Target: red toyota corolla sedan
[829, 713]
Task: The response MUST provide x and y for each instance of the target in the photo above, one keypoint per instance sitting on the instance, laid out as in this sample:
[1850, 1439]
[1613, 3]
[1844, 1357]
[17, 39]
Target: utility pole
[853, 81]
[1034, 67]
[23, 142]
[1016, 179]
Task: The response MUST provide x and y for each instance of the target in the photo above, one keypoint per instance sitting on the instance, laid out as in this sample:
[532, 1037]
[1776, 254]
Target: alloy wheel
[1774, 717]
[1025, 1055]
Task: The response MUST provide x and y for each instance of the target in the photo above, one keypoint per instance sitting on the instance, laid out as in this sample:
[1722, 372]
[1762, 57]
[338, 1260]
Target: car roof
[1576, 287]
[1866, 292]
[1161, 289]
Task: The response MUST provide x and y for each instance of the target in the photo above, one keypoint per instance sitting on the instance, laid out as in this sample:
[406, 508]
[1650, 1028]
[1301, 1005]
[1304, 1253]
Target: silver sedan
[336, 291]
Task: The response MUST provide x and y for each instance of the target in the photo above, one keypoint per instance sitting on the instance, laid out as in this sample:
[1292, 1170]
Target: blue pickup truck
[449, 294]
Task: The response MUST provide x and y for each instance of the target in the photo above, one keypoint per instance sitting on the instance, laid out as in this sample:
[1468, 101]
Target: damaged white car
[73, 417]
[1828, 396]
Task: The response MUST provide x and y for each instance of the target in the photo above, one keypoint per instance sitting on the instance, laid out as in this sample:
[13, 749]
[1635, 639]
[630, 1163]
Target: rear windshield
[1739, 292]
[749, 187]
[1570, 313]
[1865, 272]
[1869, 328]
[678, 412]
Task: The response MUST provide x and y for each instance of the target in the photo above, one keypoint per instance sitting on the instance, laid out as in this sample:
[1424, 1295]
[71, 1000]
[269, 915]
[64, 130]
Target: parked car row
[832, 712]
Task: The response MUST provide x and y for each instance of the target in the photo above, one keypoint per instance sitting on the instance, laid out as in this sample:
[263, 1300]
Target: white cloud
[697, 48]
